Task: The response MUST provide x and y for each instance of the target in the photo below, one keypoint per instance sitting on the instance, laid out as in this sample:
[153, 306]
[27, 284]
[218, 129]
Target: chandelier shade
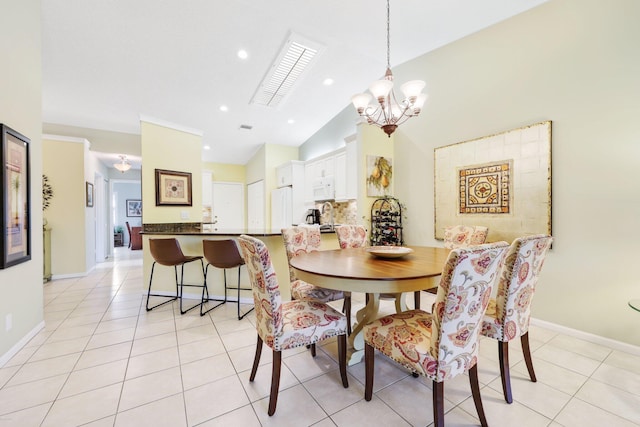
[123, 165]
[386, 111]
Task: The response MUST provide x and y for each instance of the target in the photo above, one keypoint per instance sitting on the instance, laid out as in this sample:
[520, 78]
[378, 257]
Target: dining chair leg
[503, 356]
[475, 391]
[368, 371]
[416, 300]
[524, 340]
[313, 350]
[342, 359]
[438, 404]
[275, 381]
[256, 359]
[347, 312]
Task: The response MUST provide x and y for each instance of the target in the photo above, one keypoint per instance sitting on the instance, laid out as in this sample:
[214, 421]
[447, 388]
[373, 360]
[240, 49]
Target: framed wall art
[173, 188]
[134, 207]
[379, 176]
[89, 194]
[15, 198]
[500, 181]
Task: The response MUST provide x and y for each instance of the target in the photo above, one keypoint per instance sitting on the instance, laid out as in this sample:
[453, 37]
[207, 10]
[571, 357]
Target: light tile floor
[102, 360]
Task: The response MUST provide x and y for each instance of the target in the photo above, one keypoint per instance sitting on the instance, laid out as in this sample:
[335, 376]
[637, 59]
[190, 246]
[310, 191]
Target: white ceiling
[107, 62]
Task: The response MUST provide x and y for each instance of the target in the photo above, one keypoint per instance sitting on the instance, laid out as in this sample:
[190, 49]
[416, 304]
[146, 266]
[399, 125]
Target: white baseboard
[72, 275]
[586, 336]
[20, 344]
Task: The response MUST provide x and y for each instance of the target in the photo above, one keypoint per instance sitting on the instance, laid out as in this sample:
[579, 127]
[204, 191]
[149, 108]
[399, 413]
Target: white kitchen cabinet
[340, 176]
[289, 173]
[309, 177]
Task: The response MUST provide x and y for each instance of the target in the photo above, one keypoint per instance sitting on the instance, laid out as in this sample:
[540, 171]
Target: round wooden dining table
[357, 270]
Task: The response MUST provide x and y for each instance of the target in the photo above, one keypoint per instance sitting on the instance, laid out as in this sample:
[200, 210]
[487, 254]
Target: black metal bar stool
[167, 252]
[222, 254]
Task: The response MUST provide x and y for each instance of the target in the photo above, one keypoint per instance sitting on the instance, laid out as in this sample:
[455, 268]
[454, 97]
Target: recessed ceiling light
[206, 147]
[224, 108]
[291, 121]
[242, 54]
[328, 81]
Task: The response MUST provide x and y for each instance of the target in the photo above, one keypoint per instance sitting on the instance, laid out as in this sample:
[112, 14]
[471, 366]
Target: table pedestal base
[365, 315]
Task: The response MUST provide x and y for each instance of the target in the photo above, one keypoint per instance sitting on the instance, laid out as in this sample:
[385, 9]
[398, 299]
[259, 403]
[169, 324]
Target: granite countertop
[196, 229]
[212, 233]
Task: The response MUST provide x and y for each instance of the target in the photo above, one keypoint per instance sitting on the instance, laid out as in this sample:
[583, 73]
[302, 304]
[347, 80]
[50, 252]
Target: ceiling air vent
[246, 127]
[294, 58]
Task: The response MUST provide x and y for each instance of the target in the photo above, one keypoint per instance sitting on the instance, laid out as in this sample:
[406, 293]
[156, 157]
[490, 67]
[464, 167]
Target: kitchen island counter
[191, 244]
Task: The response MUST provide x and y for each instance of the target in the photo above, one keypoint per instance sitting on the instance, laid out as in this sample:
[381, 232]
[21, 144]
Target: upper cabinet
[346, 173]
[289, 173]
[341, 165]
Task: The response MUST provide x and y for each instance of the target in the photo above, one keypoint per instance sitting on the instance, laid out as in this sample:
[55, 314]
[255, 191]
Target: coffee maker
[313, 216]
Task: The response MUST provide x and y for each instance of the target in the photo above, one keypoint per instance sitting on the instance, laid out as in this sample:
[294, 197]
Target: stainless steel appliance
[313, 216]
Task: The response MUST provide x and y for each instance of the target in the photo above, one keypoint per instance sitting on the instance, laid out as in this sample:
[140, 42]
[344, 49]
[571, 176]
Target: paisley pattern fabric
[463, 236]
[351, 236]
[285, 325]
[299, 240]
[444, 344]
[508, 315]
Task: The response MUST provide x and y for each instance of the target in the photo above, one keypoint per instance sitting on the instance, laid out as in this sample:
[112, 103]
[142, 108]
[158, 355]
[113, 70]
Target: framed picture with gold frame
[15, 239]
[173, 188]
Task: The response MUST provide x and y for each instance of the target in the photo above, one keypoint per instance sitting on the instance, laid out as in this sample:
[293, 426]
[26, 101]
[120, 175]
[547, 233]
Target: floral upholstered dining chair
[444, 344]
[286, 325]
[508, 315]
[351, 236]
[463, 236]
[303, 239]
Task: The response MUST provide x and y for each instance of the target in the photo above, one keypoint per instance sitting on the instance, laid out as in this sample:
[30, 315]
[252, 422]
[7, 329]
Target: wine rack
[386, 222]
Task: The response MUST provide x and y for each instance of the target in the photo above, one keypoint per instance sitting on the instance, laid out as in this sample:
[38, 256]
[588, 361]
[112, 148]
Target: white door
[255, 207]
[228, 206]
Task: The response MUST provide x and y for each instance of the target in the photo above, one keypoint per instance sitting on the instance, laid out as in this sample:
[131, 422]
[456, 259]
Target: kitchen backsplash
[343, 213]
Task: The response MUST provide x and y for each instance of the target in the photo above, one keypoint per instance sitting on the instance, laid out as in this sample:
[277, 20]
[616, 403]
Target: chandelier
[123, 165]
[389, 113]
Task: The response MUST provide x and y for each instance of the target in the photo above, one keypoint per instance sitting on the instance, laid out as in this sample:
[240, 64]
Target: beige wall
[371, 142]
[223, 172]
[64, 166]
[160, 144]
[21, 109]
[574, 62]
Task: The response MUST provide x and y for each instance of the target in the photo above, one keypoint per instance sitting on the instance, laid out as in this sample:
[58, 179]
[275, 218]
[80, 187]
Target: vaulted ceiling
[107, 62]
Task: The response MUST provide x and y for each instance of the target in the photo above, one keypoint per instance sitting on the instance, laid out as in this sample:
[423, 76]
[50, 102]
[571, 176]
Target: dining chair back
[444, 344]
[167, 252]
[223, 254]
[463, 236]
[508, 315]
[351, 236]
[285, 325]
[304, 239]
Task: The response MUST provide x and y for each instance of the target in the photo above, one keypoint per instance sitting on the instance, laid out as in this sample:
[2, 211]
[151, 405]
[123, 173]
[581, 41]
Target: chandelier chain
[388, 40]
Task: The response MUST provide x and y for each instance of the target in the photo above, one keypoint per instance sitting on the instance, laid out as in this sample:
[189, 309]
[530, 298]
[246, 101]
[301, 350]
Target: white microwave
[323, 189]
